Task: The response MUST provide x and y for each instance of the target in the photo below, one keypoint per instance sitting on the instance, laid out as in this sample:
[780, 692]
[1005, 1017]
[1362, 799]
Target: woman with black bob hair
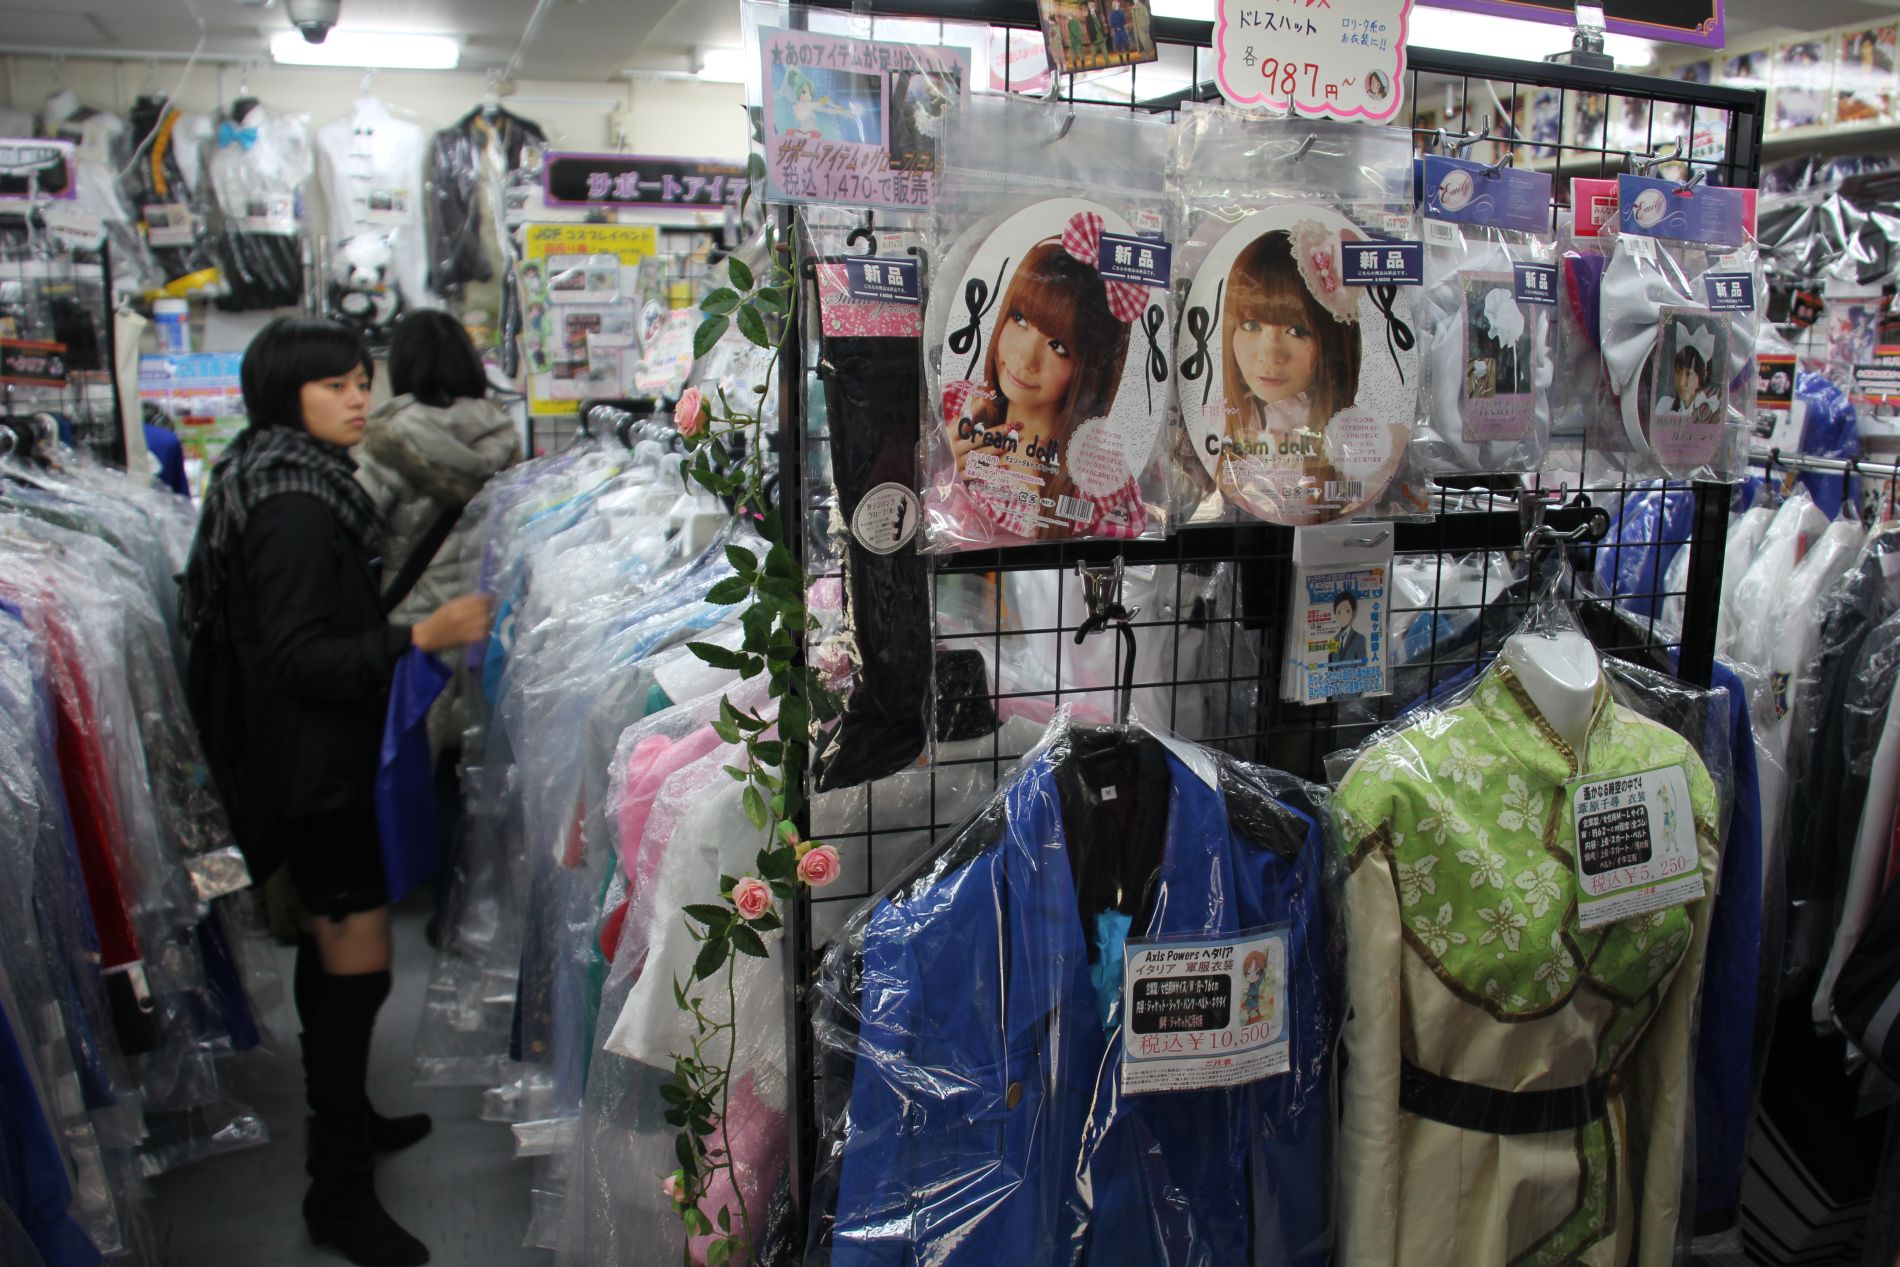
[291, 659]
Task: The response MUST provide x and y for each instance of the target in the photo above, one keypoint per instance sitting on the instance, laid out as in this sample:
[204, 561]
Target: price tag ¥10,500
[1636, 845]
[1343, 59]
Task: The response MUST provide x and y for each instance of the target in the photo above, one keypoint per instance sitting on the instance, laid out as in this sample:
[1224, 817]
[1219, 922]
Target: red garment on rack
[91, 804]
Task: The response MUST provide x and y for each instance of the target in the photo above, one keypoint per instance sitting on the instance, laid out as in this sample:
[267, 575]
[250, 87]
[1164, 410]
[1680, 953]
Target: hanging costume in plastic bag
[258, 171]
[1093, 1026]
[167, 187]
[1520, 1029]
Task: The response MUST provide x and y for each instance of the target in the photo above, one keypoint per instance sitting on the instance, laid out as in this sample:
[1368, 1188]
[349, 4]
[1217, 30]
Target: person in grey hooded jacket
[428, 451]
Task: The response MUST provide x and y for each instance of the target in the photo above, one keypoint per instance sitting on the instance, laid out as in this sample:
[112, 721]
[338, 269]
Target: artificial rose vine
[774, 624]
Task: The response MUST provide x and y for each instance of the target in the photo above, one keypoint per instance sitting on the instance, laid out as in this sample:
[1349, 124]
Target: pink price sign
[1343, 59]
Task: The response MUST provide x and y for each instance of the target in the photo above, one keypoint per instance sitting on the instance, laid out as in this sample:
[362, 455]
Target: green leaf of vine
[708, 914]
[712, 957]
[752, 325]
[710, 331]
[719, 302]
[717, 656]
[733, 589]
[743, 561]
[755, 807]
[770, 298]
[740, 273]
[747, 942]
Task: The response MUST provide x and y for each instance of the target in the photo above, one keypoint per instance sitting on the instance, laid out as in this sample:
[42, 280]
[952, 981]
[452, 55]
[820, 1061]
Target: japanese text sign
[630, 180]
[1343, 59]
[854, 121]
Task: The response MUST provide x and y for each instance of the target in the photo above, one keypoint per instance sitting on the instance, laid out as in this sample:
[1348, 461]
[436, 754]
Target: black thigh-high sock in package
[873, 387]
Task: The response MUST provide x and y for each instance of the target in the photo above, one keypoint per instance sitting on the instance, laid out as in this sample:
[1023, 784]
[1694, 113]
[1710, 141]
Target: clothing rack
[1253, 561]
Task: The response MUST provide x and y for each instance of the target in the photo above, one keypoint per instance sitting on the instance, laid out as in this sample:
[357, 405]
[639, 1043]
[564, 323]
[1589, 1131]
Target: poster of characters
[580, 321]
[1342, 648]
[1689, 386]
[1097, 34]
[1863, 78]
[1499, 401]
[1296, 388]
[1051, 378]
[855, 121]
[1801, 78]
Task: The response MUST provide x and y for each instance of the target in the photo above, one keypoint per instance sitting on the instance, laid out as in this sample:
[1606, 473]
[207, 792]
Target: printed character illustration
[1291, 337]
[810, 111]
[1349, 645]
[1051, 370]
[1257, 1003]
[1695, 391]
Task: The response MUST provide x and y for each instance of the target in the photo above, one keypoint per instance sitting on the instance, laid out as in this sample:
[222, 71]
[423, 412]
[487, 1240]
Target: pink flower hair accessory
[1317, 255]
[1082, 239]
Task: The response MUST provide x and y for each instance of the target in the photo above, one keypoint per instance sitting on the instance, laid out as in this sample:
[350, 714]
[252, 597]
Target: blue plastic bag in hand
[405, 777]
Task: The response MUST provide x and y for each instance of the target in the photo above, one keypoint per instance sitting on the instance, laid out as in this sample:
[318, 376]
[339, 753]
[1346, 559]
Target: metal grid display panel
[1230, 698]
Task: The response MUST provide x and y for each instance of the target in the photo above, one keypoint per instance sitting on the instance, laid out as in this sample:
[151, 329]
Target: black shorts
[336, 862]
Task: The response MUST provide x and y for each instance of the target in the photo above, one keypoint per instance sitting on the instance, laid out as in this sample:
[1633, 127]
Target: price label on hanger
[1636, 847]
[1205, 1012]
[1342, 59]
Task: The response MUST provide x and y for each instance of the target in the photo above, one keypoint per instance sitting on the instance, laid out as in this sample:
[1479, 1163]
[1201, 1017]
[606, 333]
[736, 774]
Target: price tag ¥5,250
[1636, 846]
[1339, 58]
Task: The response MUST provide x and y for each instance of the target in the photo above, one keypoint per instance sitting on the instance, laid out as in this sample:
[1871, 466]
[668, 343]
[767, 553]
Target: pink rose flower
[752, 896]
[674, 1187]
[819, 866]
[689, 416]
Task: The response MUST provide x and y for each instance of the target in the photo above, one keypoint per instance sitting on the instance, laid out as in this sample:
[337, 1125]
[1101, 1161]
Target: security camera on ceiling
[313, 18]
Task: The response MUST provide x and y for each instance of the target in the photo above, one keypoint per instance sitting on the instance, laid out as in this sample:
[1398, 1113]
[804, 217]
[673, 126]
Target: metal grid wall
[1222, 589]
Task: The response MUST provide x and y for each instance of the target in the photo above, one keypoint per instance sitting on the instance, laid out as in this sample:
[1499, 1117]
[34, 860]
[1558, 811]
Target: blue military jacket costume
[970, 1029]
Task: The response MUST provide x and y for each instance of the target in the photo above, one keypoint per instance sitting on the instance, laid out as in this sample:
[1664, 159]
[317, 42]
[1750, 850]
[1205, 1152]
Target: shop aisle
[460, 1190]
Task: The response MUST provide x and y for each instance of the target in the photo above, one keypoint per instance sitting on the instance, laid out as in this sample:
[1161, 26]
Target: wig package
[1047, 330]
[1488, 319]
[1678, 314]
[1299, 377]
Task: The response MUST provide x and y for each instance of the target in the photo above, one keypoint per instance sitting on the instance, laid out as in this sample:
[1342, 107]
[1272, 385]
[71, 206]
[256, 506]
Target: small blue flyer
[1468, 192]
[1380, 263]
[1653, 208]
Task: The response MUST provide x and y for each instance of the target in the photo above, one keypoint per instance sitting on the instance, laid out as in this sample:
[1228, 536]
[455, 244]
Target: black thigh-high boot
[386, 1134]
[341, 1208]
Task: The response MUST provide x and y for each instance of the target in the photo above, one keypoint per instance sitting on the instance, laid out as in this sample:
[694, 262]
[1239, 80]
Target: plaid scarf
[265, 463]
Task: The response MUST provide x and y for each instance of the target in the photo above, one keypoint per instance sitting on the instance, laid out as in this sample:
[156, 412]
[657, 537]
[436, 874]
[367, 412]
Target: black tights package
[872, 391]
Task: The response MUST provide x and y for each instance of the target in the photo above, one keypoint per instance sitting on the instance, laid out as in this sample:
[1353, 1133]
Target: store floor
[460, 1190]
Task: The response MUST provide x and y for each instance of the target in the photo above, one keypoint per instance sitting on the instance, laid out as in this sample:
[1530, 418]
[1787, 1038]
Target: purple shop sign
[1675, 21]
[635, 180]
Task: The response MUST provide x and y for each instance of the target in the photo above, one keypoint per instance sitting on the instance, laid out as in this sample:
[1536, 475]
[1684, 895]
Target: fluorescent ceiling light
[1452, 28]
[722, 65]
[363, 48]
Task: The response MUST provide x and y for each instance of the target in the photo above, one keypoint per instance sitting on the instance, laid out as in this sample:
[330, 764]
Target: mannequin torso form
[1560, 673]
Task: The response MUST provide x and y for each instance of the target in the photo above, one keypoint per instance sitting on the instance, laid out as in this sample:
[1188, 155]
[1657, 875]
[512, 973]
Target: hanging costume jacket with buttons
[971, 1035]
[1517, 1088]
[258, 170]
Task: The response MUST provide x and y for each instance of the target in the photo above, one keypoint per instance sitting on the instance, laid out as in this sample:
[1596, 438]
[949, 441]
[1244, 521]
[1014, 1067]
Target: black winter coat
[315, 657]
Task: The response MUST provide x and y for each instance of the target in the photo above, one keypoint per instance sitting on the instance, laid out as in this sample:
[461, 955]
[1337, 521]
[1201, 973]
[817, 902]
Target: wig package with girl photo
[1047, 331]
[1299, 385]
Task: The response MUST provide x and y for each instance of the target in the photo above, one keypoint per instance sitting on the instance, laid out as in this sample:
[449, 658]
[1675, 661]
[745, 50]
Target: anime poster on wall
[1097, 34]
[580, 326]
[857, 122]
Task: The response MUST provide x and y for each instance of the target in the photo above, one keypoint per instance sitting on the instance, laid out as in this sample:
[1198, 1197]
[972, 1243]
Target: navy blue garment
[1831, 430]
[1732, 978]
[405, 776]
[170, 456]
[33, 1180]
[1634, 561]
[977, 1116]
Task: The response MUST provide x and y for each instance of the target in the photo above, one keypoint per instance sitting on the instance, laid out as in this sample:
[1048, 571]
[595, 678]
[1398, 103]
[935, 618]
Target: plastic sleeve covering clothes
[1277, 431]
[1489, 352]
[1517, 1084]
[462, 229]
[1046, 369]
[871, 365]
[984, 1095]
[124, 966]
[258, 166]
[166, 185]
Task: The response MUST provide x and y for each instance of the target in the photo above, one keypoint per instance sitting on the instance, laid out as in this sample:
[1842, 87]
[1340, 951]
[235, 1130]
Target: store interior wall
[677, 117]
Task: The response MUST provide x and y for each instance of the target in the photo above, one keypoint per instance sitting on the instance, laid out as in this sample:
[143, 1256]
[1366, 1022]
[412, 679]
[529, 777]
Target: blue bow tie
[229, 135]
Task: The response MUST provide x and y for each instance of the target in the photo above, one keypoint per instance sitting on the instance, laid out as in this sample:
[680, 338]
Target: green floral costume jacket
[1468, 970]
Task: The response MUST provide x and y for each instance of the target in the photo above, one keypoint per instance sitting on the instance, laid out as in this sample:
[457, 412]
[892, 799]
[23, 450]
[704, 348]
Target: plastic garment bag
[1019, 1060]
[258, 167]
[1493, 1108]
[406, 819]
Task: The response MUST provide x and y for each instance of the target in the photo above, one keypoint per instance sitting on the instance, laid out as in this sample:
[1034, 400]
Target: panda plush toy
[361, 292]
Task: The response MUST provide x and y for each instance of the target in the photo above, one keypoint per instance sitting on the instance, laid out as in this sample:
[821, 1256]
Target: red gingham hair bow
[1082, 239]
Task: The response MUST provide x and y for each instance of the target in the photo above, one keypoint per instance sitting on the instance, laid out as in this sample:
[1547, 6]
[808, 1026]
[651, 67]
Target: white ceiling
[580, 40]
[574, 40]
